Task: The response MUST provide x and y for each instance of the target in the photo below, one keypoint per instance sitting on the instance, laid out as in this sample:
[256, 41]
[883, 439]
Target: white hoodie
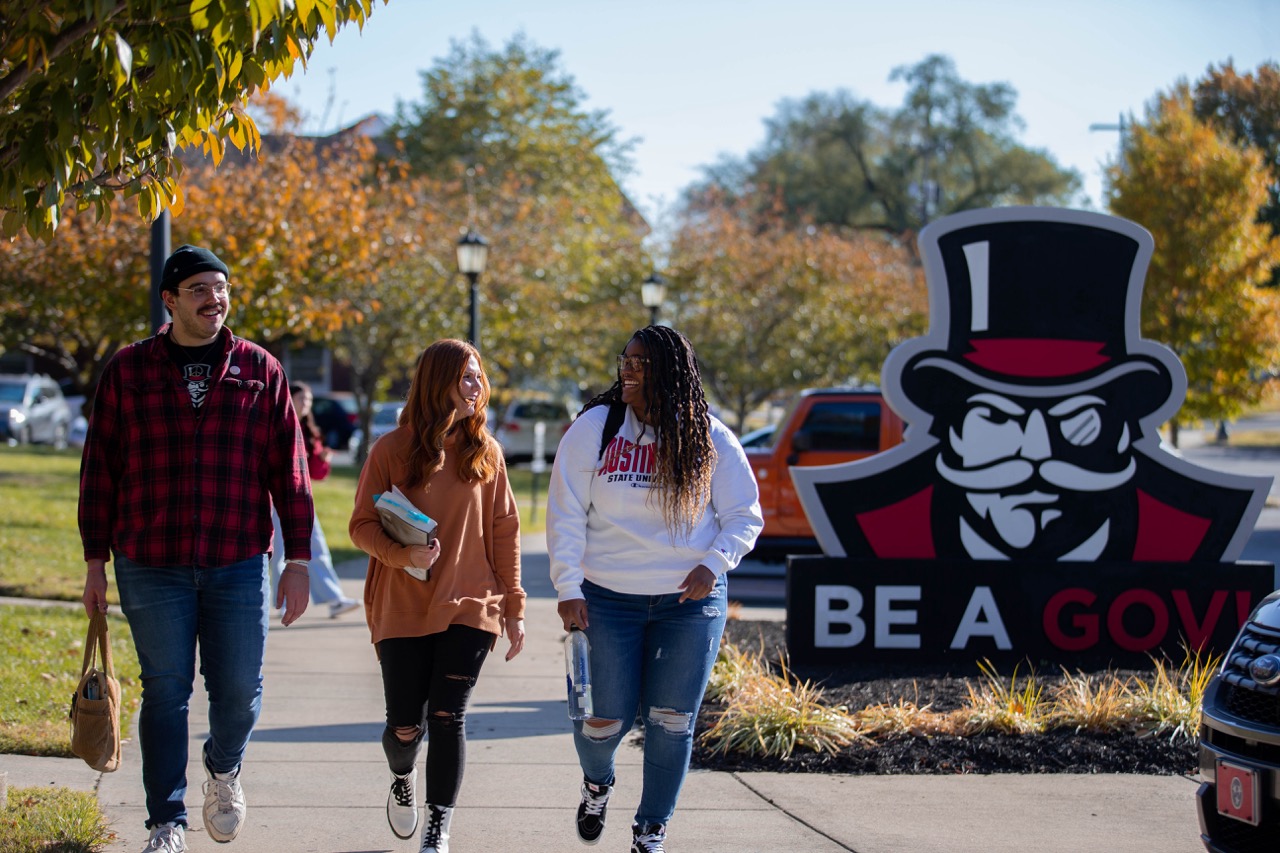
[602, 524]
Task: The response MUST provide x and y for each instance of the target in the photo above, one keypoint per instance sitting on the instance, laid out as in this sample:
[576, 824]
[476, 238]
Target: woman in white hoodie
[651, 503]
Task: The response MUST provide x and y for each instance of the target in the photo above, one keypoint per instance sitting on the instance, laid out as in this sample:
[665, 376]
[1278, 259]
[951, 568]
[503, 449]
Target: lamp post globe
[652, 291]
[473, 252]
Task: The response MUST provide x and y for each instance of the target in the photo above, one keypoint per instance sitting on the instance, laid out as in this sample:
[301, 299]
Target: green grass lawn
[53, 820]
[40, 552]
[41, 652]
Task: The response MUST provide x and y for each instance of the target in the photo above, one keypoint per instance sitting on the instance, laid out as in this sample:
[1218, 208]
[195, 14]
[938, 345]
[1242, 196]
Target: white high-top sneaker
[402, 804]
[435, 832]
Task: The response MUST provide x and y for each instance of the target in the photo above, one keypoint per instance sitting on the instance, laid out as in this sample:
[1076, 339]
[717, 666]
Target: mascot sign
[1031, 511]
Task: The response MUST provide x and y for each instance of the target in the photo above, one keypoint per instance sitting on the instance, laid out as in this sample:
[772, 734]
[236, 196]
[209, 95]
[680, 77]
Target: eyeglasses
[635, 363]
[200, 291]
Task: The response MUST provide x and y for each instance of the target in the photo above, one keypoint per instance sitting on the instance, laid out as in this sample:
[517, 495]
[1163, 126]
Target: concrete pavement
[315, 778]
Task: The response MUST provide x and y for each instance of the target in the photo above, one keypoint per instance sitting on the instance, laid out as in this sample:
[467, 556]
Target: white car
[32, 409]
[386, 417]
[515, 429]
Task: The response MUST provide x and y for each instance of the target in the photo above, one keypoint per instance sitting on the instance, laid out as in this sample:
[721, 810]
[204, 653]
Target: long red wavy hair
[429, 416]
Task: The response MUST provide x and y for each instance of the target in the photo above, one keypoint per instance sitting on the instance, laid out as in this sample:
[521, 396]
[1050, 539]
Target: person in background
[651, 503]
[191, 440]
[432, 636]
[325, 586]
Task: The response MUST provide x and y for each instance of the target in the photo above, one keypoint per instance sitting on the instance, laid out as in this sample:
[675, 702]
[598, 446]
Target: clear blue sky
[691, 79]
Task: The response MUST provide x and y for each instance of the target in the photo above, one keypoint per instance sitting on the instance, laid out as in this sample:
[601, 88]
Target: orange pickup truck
[823, 426]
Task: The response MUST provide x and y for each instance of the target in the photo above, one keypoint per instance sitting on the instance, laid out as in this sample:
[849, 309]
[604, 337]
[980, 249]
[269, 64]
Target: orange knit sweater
[476, 580]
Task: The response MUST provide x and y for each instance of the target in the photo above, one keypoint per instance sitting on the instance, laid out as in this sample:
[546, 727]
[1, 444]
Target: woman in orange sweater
[433, 636]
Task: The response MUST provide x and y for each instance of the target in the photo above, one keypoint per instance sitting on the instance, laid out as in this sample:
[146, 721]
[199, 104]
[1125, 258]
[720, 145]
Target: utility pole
[159, 253]
[1123, 127]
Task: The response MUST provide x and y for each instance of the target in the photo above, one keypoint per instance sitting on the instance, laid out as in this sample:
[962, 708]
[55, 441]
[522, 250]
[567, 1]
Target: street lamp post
[473, 251]
[652, 291]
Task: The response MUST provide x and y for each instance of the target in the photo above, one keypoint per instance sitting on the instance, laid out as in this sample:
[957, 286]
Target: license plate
[1238, 793]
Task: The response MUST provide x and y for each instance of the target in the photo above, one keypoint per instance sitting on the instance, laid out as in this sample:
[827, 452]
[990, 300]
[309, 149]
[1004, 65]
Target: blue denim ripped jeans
[170, 609]
[651, 657]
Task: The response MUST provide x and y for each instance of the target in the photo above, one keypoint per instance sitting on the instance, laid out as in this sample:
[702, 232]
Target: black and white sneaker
[595, 799]
[648, 838]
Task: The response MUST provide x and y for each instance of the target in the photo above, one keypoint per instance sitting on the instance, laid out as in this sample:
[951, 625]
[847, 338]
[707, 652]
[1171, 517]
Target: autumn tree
[835, 160]
[305, 228]
[1246, 109]
[1198, 194]
[78, 298]
[771, 307]
[293, 226]
[535, 174]
[99, 97]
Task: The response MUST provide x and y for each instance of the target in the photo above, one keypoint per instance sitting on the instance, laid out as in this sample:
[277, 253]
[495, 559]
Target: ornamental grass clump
[772, 715]
[734, 669]
[903, 717]
[1014, 708]
[1095, 703]
[1170, 702]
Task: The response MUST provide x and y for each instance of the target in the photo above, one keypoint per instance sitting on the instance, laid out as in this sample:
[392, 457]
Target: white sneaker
[166, 838]
[342, 605]
[224, 806]
[402, 804]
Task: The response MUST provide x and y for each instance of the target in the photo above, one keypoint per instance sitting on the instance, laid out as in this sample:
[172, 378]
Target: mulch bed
[1058, 751]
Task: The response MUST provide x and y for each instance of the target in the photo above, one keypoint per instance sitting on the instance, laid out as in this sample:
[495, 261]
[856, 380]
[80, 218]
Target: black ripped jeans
[432, 676]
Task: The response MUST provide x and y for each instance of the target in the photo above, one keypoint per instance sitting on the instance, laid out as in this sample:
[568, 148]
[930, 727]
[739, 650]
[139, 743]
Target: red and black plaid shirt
[166, 484]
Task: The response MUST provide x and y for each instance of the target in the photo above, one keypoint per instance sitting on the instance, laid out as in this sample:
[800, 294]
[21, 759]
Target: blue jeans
[169, 610]
[650, 656]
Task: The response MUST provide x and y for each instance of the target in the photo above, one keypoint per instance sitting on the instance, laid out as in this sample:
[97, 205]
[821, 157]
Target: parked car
[823, 426]
[762, 437]
[386, 417]
[337, 416]
[33, 410]
[1240, 740]
[515, 429]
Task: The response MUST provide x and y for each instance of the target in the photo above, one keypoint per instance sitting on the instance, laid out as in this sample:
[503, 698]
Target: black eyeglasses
[201, 291]
[632, 362]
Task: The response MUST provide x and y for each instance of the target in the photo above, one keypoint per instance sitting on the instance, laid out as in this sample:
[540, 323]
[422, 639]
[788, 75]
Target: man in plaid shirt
[191, 439]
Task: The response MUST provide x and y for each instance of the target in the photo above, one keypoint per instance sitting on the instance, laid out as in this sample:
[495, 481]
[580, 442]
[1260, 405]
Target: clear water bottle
[577, 666]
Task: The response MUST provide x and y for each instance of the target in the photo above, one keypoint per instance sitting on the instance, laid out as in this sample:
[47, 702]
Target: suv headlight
[17, 415]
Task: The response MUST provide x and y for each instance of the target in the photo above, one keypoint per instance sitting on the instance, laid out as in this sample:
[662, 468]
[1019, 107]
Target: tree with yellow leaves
[774, 308]
[1199, 195]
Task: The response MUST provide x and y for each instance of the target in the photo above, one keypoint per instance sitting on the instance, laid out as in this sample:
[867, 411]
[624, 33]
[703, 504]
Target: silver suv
[32, 409]
[1239, 799]
[515, 431]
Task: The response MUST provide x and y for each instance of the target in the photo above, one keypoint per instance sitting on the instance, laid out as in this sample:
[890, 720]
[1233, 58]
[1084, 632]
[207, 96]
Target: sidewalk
[316, 780]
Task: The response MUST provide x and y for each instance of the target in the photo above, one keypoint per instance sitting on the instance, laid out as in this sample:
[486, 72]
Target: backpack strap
[612, 423]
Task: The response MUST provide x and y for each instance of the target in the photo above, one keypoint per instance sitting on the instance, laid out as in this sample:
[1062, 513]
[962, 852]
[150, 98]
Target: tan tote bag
[95, 706]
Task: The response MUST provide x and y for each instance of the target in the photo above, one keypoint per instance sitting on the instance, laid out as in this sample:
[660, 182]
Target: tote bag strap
[97, 644]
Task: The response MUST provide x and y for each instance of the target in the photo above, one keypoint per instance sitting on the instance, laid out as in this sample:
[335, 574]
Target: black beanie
[185, 262]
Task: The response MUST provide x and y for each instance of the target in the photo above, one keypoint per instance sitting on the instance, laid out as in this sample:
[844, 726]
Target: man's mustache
[1015, 472]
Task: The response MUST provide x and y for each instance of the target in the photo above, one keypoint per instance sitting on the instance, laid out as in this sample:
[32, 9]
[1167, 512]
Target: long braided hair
[429, 416]
[685, 457]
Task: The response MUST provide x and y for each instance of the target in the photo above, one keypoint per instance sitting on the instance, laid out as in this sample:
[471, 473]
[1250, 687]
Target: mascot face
[1031, 471]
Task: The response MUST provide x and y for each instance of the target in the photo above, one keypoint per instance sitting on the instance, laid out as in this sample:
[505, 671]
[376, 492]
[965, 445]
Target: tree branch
[22, 71]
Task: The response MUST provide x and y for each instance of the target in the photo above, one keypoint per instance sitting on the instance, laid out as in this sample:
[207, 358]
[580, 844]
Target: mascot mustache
[1003, 476]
